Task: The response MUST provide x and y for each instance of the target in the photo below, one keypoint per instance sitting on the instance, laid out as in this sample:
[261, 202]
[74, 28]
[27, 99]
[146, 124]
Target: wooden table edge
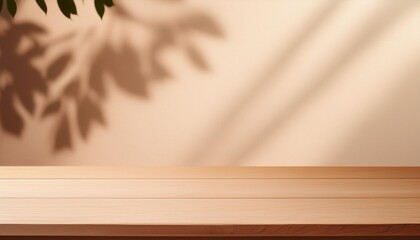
[294, 230]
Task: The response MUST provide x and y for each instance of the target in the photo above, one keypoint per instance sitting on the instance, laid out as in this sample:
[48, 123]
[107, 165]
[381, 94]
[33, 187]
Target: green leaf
[42, 5]
[64, 8]
[11, 6]
[99, 5]
[72, 7]
[108, 3]
[67, 7]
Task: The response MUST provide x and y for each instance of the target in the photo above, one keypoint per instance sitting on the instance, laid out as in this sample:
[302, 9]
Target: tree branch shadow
[128, 69]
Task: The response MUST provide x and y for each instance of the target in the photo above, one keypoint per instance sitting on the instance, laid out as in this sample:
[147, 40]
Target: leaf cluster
[67, 7]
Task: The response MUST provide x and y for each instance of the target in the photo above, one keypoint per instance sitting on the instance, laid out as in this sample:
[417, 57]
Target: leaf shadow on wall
[19, 78]
[81, 99]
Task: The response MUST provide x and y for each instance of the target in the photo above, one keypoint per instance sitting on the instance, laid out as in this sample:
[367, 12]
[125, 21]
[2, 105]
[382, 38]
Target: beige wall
[289, 83]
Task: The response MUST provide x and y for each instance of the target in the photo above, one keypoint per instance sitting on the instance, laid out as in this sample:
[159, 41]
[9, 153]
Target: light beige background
[319, 82]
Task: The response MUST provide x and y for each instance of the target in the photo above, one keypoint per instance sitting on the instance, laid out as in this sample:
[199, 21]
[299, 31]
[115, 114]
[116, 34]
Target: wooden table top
[210, 201]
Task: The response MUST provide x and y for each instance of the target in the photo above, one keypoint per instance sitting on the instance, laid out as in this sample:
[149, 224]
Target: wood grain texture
[211, 172]
[207, 238]
[212, 230]
[210, 188]
[189, 201]
[209, 211]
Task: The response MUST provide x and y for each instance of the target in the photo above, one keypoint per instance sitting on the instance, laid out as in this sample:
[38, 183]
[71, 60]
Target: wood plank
[210, 172]
[207, 238]
[255, 201]
[211, 230]
[209, 188]
[209, 211]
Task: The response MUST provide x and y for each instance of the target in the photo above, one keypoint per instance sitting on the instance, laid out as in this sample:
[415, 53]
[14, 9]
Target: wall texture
[224, 82]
